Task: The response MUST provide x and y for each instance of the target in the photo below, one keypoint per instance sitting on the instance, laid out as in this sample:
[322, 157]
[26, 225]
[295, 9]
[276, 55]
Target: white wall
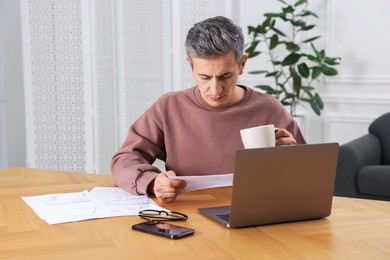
[357, 31]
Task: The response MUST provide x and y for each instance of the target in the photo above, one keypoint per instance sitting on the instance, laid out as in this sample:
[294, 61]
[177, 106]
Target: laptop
[280, 184]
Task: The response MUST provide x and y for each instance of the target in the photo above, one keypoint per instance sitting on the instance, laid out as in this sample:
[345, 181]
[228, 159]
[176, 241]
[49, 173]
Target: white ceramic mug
[258, 137]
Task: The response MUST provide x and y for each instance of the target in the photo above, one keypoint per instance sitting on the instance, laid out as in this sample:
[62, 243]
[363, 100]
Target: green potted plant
[296, 64]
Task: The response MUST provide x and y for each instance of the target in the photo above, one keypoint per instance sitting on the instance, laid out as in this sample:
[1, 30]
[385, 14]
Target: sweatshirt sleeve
[131, 166]
[296, 132]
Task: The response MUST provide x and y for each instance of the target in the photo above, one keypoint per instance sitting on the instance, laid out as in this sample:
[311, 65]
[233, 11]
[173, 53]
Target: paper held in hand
[205, 181]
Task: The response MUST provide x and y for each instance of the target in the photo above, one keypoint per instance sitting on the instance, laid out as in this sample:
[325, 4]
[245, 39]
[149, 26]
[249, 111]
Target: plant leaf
[288, 9]
[320, 54]
[309, 13]
[266, 22]
[291, 59]
[274, 41]
[292, 47]
[328, 71]
[297, 82]
[313, 59]
[316, 72]
[271, 74]
[318, 100]
[307, 89]
[251, 29]
[274, 15]
[315, 50]
[253, 54]
[315, 108]
[282, 2]
[282, 87]
[332, 61]
[267, 88]
[252, 46]
[257, 72]
[278, 31]
[311, 39]
[298, 23]
[307, 28]
[304, 70]
[258, 29]
[300, 2]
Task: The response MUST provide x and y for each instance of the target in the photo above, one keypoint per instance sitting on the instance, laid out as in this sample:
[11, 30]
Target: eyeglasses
[151, 214]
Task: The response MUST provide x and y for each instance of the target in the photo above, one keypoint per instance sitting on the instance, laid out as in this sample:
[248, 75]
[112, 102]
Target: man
[197, 131]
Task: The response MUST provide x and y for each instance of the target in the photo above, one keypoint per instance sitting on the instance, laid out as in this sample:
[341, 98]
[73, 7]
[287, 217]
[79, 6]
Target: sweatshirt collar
[200, 101]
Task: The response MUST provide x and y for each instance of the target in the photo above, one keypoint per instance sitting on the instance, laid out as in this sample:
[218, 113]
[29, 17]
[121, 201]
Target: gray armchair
[363, 169]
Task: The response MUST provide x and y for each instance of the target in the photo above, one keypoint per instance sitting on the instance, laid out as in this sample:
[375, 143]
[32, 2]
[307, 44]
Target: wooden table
[356, 229]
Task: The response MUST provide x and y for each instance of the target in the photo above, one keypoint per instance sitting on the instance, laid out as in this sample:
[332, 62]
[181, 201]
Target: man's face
[217, 78]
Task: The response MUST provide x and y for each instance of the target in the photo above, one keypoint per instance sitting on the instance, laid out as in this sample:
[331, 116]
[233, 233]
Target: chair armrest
[360, 152]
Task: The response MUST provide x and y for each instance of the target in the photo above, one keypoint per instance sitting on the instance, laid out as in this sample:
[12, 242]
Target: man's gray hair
[213, 37]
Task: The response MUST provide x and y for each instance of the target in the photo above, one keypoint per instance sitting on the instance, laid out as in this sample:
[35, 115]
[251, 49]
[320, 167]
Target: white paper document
[205, 181]
[101, 202]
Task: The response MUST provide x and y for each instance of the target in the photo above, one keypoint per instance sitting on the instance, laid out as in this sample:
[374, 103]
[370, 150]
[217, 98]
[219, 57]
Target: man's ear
[190, 63]
[243, 62]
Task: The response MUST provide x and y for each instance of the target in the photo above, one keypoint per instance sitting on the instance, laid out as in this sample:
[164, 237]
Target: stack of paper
[101, 202]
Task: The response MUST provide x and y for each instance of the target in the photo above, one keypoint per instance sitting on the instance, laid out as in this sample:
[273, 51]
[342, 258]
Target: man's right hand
[166, 189]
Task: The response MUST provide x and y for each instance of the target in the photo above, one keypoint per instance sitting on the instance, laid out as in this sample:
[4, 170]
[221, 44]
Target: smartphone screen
[163, 229]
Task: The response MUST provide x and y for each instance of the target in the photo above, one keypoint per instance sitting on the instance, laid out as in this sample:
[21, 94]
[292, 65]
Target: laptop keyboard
[225, 217]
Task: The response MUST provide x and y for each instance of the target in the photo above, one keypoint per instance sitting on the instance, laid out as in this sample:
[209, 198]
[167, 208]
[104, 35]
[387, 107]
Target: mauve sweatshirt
[192, 137]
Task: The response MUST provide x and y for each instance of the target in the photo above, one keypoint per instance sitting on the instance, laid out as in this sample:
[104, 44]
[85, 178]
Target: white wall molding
[3, 135]
[345, 127]
[27, 76]
[87, 29]
[103, 71]
[349, 117]
[371, 80]
[3, 128]
[356, 99]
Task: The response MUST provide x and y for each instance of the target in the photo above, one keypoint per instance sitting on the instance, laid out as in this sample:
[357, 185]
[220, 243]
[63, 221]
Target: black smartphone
[163, 229]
